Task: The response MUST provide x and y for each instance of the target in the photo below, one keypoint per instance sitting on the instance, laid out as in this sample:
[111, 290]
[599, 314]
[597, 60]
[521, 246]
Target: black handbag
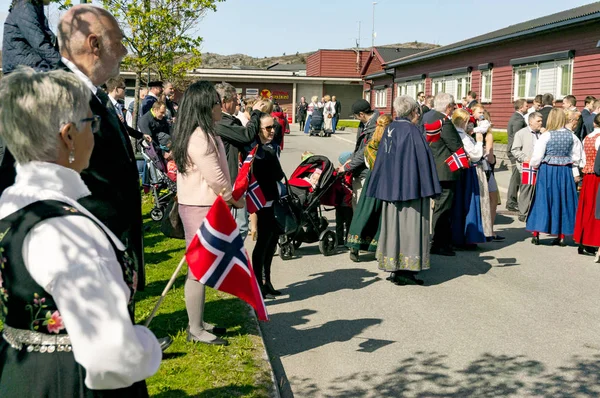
[171, 225]
[285, 216]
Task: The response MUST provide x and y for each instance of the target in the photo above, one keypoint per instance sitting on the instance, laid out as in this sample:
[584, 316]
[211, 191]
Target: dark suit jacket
[147, 103]
[515, 123]
[159, 130]
[338, 109]
[471, 104]
[587, 118]
[545, 111]
[237, 138]
[113, 179]
[448, 143]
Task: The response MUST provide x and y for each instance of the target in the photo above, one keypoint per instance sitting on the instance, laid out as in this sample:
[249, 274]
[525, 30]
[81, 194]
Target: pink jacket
[208, 175]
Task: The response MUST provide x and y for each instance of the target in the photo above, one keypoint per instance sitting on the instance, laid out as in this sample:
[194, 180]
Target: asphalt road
[508, 320]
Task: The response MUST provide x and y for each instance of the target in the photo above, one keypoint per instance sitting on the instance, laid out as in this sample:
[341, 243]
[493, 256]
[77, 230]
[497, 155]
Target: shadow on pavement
[327, 282]
[428, 375]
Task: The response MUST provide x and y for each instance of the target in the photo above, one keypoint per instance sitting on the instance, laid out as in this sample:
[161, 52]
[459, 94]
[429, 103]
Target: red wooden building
[558, 54]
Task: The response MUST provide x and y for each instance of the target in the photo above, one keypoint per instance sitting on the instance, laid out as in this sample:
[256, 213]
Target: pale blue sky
[272, 27]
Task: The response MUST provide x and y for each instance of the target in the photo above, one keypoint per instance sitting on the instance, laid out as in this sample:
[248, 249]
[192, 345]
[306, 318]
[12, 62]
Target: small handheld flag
[458, 160]
[529, 174]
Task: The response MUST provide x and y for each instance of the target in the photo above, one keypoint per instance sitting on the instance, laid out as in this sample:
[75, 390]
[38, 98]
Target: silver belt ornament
[35, 341]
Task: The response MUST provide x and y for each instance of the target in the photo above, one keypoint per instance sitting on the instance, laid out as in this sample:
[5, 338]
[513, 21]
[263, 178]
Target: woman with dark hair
[202, 176]
[27, 38]
[554, 205]
[267, 171]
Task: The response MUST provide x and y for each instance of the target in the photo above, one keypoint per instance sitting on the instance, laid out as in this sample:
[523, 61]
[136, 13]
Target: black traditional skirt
[51, 375]
[366, 222]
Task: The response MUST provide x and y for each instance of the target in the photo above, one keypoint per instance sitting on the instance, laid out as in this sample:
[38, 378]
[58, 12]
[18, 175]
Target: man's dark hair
[589, 99]
[472, 94]
[158, 104]
[113, 83]
[538, 99]
[519, 103]
[419, 94]
[195, 111]
[547, 99]
[572, 100]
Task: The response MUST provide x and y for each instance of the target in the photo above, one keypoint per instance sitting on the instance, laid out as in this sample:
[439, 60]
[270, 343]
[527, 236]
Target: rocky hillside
[212, 60]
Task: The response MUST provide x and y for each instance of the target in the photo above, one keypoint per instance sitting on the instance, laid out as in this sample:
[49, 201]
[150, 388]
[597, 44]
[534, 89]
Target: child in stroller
[158, 179]
[316, 123]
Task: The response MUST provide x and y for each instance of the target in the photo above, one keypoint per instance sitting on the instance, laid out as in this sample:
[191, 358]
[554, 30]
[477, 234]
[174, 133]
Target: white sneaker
[597, 258]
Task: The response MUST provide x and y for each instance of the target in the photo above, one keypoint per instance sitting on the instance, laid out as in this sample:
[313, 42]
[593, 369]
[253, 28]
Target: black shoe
[216, 341]
[442, 251]
[535, 240]
[354, 255]
[559, 242]
[586, 251]
[219, 331]
[271, 290]
[512, 208]
[165, 343]
[406, 279]
[266, 294]
[498, 238]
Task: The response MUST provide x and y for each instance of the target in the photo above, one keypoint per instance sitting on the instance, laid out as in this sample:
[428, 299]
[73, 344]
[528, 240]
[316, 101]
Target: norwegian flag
[458, 160]
[255, 199]
[433, 131]
[217, 258]
[529, 174]
[240, 187]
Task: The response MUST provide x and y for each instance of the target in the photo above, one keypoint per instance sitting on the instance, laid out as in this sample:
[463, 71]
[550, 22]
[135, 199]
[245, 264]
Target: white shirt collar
[114, 101]
[151, 94]
[51, 177]
[80, 74]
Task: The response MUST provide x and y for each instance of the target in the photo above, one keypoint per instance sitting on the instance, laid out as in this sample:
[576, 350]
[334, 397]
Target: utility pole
[373, 35]
[358, 39]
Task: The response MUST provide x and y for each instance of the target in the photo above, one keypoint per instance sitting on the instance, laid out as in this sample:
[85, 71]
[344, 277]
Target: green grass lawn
[348, 123]
[198, 370]
[501, 137]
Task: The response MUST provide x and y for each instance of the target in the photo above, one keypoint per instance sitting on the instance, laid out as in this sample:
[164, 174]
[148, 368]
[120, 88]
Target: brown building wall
[586, 67]
[336, 63]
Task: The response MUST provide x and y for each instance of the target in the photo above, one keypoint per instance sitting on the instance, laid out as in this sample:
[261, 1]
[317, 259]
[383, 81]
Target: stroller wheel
[327, 243]
[286, 251]
[157, 214]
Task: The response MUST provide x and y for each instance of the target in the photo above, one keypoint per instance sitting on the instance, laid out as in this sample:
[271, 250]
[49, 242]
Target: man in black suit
[516, 123]
[337, 114]
[547, 105]
[91, 44]
[471, 99]
[586, 125]
[155, 90]
[449, 142]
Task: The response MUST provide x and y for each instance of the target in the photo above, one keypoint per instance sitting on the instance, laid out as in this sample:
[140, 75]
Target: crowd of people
[328, 109]
[419, 184]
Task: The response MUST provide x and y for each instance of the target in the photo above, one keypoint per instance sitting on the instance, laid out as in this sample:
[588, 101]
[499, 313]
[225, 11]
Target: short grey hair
[226, 91]
[34, 108]
[533, 115]
[405, 105]
[441, 101]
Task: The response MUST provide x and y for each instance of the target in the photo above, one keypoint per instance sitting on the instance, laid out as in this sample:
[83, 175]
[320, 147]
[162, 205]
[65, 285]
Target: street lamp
[373, 34]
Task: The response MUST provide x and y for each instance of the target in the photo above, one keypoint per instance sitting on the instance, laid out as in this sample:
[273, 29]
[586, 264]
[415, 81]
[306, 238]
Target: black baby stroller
[308, 184]
[162, 187]
[316, 123]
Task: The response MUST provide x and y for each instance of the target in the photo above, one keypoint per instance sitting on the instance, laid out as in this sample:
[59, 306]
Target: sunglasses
[95, 122]
[268, 127]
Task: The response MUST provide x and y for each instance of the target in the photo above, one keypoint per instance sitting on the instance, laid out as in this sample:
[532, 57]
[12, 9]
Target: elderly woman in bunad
[66, 286]
[328, 113]
[554, 204]
[404, 178]
[364, 229]
[587, 226]
[468, 224]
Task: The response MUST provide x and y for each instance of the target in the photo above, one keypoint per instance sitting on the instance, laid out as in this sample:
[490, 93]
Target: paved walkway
[509, 319]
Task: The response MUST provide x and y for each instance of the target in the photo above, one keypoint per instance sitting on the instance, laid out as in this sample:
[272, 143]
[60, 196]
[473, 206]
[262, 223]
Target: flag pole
[165, 291]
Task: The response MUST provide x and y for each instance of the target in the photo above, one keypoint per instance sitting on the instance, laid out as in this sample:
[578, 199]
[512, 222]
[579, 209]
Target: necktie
[114, 120]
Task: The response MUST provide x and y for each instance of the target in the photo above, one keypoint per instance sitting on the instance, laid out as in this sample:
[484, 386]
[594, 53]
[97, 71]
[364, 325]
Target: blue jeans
[334, 123]
[241, 218]
[307, 125]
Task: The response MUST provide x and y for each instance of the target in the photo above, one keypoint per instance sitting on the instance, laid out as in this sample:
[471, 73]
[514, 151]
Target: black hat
[156, 83]
[361, 105]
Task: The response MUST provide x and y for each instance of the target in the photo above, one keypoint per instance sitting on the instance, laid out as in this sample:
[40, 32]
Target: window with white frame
[486, 85]
[553, 77]
[367, 96]
[456, 85]
[410, 88]
[381, 98]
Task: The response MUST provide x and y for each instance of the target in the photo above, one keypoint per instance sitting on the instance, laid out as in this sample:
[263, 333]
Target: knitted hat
[344, 157]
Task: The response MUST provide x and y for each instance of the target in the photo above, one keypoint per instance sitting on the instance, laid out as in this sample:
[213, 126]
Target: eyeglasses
[268, 127]
[95, 122]
[217, 102]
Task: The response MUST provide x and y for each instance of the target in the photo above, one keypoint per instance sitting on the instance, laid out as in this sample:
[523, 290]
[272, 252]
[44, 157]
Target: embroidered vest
[23, 303]
[589, 147]
[558, 149]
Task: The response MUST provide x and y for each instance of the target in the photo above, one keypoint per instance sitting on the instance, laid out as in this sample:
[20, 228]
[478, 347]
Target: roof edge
[424, 57]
